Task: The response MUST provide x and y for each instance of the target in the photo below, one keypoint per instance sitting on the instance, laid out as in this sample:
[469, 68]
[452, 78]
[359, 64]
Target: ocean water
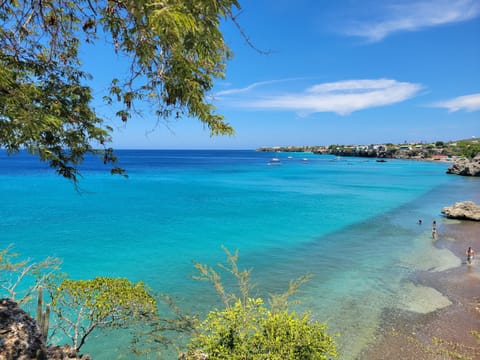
[350, 222]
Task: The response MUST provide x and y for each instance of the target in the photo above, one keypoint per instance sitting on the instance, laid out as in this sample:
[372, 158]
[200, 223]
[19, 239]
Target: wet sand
[444, 333]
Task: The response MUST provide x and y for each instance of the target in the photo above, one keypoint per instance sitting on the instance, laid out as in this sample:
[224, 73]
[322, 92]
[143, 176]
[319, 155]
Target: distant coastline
[436, 151]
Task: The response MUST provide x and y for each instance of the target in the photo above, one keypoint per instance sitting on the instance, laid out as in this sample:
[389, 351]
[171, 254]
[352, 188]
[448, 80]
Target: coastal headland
[435, 151]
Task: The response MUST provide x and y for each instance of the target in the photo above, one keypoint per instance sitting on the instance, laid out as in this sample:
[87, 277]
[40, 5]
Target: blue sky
[337, 72]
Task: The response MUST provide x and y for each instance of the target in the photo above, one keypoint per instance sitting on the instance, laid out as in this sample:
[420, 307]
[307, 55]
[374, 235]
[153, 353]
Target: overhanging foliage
[175, 51]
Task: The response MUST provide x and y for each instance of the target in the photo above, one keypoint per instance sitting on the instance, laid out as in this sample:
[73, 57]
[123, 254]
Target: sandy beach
[451, 332]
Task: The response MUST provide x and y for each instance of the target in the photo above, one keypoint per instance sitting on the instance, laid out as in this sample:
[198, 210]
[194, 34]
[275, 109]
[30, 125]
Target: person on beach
[470, 254]
[434, 225]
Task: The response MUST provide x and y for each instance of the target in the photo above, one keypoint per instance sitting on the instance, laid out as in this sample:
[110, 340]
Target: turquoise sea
[351, 222]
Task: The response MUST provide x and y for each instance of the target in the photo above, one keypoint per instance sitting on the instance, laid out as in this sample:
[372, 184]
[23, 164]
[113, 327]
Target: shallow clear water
[351, 222]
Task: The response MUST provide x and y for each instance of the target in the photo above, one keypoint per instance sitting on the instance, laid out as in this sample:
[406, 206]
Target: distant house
[440, 157]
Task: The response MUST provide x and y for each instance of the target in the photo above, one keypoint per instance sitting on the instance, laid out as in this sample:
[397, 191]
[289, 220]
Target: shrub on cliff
[248, 328]
[253, 331]
[85, 305]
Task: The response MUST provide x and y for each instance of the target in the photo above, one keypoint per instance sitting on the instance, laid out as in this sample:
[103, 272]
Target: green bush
[247, 328]
[252, 331]
[85, 305]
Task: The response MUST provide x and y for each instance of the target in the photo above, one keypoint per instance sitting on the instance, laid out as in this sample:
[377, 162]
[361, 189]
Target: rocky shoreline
[466, 167]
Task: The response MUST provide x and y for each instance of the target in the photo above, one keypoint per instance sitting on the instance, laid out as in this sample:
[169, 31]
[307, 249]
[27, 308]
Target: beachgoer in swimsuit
[470, 254]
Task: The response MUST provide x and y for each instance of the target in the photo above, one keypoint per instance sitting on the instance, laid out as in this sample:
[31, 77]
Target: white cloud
[246, 88]
[467, 103]
[416, 15]
[343, 97]
[352, 85]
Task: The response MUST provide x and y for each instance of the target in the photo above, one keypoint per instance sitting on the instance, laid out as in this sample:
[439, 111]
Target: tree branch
[244, 34]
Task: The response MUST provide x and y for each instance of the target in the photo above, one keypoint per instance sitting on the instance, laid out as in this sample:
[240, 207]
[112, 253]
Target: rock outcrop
[466, 167]
[466, 210]
[20, 337]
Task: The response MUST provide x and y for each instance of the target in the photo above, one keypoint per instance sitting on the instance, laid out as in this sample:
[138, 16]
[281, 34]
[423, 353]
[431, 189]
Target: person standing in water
[434, 230]
[470, 255]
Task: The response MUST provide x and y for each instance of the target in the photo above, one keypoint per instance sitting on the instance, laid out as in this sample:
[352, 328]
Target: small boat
[381, 160]
[275, 161]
